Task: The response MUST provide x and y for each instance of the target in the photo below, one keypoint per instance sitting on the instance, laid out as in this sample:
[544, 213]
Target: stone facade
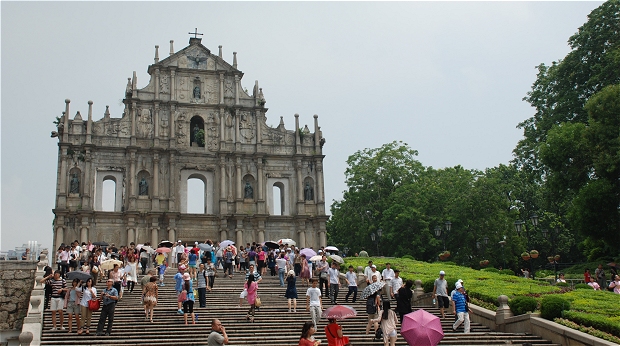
[192, 120]
[16, 283]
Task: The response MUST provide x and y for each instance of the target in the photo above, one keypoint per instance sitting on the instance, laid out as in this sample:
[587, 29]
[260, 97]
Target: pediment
[195, 56]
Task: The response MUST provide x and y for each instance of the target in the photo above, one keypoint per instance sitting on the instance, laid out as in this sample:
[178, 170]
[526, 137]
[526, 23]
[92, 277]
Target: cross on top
[195, 33]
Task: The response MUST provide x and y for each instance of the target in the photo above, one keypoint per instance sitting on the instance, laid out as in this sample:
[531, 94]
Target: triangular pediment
[195, 56]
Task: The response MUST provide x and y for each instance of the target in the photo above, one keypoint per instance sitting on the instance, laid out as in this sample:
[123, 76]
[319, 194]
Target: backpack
[371, 308]
[379, 334]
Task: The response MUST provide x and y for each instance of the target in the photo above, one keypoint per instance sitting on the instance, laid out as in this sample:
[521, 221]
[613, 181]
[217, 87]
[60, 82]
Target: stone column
[223, 229]
[222, 128]
[301, 231]
[301, 207]
[65, 129]
[320, 187]
[172, 237]
[222, 89]
[223, 203]
[84, 234]
[261, 235]
[261, 187]
[239, 232]
[322, 235]
[237, 133]
[156, 121]
[62, 178]
[89, 124]
[173, 94]
[60, 235]
[317, 135]
[503, 311]
[171, 193]
[236, 90]
[86, 181]
[157, 84]
[155, 204]
[297, 136]
[133, 119]
[238, 179]
[131, 235]
[173, 111]
[154, 240]
[132, 178]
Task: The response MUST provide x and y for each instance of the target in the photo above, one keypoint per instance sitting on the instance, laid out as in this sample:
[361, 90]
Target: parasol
[372, 289]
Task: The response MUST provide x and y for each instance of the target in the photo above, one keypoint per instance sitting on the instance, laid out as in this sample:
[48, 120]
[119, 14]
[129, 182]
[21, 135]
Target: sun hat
[186, 276]
[458, 285]
[442, 273]
[373, 266]
[459, 281]
[291, 272]
[181, 267]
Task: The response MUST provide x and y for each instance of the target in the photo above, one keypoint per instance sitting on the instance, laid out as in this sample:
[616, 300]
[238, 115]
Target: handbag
[182, 296]
[257, 302]
[324, 275]
[94, 304]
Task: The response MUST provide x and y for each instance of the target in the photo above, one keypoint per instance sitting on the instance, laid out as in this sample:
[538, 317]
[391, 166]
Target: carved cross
[195, 33]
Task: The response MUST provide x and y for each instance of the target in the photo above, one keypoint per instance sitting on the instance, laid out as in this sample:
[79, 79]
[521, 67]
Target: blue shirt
[460, 302]
[113, 292]
[192, 258]
[178, 278]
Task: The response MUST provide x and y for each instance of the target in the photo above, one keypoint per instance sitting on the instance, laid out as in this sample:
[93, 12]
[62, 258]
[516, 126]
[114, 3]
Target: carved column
[236, 90]
[173, 111]
[86, 181]
[62, 178]
[223, 204]
[171, 193]
[154, 233]
[261, 188]
[171, 237]
[221, 88]
[237, 133]
[132, 180]
[84, 231]
[222, 127]
[133, 119]
[238, 179]
[301, 231]
[173, 94]
[157, 84]
[60, 234]
[320, 187]
[89, 124]
[65, 129]
[239, 239]
[317, 135]
[131, 235]
[261, 231]
[156, 121]
[155, 200]
[297, 136]
[300, 189]
[223, 229]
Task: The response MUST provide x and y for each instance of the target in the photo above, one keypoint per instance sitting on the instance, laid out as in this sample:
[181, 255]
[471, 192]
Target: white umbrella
[337, 258]
[316, 258]
[109, 264]
[225, 243]
[287, 241]
[332, 248]
[148, 249]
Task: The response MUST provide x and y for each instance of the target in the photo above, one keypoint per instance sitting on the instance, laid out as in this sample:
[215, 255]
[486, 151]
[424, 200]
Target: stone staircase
[273, 324]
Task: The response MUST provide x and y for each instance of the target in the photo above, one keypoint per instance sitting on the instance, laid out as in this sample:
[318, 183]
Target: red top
[306, 342]
[587, 277]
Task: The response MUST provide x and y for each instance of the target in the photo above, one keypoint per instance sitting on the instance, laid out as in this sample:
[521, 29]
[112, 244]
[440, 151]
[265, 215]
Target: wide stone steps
[273, 324]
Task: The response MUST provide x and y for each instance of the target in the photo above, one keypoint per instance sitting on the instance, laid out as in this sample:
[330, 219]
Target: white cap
[179, 241]
[196, 242]
[458, 285]
[374, 266]
[442, 273]
[320, 251]
[459, 281]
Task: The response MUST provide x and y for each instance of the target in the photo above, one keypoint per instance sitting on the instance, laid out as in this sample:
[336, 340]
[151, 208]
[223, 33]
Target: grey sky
[445, 77]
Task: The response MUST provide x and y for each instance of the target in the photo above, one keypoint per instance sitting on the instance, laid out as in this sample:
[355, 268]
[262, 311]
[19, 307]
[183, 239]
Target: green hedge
[599, 322]
[583, 286]
[552, 306]
[522, 304]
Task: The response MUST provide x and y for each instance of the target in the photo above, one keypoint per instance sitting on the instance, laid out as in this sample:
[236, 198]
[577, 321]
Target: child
[291, 290]
[314, 304]
[162, 270]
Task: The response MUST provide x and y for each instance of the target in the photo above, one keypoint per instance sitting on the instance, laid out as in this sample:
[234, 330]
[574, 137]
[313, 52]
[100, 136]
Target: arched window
[196, 196]
[278, 199]
[197, 131]
[108, 197]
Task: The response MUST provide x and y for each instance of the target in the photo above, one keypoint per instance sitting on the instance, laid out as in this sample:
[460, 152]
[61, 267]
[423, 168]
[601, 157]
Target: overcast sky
[447, 78]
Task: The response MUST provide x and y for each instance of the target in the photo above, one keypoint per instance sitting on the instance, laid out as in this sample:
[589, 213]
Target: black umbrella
[166, 243]
[82, 276]
[272, 244]
[101, 243]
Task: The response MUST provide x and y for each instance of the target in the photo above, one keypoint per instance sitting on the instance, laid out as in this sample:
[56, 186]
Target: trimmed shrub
[522, 304]
[596, 321]
[492, 270]
[507, 272]
[583, 286]
[407, 257]
[562, 284]
[552, 306]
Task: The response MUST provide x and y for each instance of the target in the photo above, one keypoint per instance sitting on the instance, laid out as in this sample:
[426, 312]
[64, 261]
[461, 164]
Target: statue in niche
[197, 92]
[249, 191]
[308, 192]
[143, 187]
[195, 132]
[75, 184]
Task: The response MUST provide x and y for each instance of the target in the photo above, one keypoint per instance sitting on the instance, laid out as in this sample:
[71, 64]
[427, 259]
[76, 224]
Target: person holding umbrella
[373, 301]
[387, 318]
[333, 332]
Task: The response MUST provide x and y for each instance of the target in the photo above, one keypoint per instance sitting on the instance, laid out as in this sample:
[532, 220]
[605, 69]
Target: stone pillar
[301, 207]
[173, 94]
[154, 237]
[157, 82]
[238, 182]
[261, 187]
[171, 193]
[261, 234]
[320, 187]
[133, 119]
[223, 229]
[317, 135]
[62, 178]
[503, 311]
[86, 181]
[84, 234]
[301, 231]
[237, 133]
[156, 120]
[222, 127]
[418, 291]
[89, 124]
[322, 234]
[236, 91]
[223, 203]
[239, 232]
[173, 111]
[131, 235]
[172, 237]
[60, 235]
[155, 200]
[361, 279]
[222, 94]
[65, 129]
[297, 136]
[132, 178]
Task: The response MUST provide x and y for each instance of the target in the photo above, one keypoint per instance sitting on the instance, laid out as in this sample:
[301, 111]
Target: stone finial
[156, 53]
[171, 47]
[78, 116]
[35, 302]
[106, 114]
[234, 59]
[25, 338]
[67, 101]
[503, 311]
[128, 88]
[255, 90]
[360, 270]
[220, 47]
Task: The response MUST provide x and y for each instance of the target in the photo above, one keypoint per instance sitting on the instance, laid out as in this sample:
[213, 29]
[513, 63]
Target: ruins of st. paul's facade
[193, 120]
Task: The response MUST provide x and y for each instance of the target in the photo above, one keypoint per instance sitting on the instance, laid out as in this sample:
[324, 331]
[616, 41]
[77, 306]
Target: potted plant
[534, 254]
[550, 259]
[525, 255]
[556, 257]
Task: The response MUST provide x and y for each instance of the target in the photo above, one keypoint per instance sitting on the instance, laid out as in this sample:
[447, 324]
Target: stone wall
[16, 284]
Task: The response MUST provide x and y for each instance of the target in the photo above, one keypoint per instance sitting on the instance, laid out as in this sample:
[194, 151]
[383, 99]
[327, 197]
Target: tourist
[117, 278]
[201, 284]
[297, 263]
[387, 318]
[261, 256]
[368, 272]
[109, 298]
[615, 284]
[460, 308]
[352, 283]
[211, 271]
[132, 274]
[271, 263]
[187, 296]
[333, 333]
[363, 253]
[307, 331]
[388, 274]
[48, 272]
[304, 274]
[243, 258]
[374, 273]
[526, 273]
[150, 293]
[440, 292]
[178, 287]
[403, 299]
[373, 304]
[561, 278]
[218, 336]
[26, 254]
[58, 286]
[334, 282]
[162, 270]
[587, 277]
[599, 273]
[291, 290]
[251, 271]
[147, 278]
[89, 292]
[178, 251]
[314, 304]
[281, 265]
[252, 256]
[251, 287]
[192, 260]
[64, 256]
[395, 284]
[144, 259]
[322, 268]
[73, 306]
[229, 256]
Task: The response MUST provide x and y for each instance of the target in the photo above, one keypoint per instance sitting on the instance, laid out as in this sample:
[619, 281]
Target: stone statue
[249, 191]
[75, 184]
[197, 92]
[144, 187]
[308, 192]
[195, 132]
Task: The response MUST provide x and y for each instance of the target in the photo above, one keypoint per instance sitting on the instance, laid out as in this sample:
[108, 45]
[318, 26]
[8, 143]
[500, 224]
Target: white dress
[132, 275]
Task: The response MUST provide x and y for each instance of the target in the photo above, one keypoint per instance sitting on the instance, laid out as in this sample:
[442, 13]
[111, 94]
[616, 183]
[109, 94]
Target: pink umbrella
[421, 328]
[308, 252]
[339, 312]
[163, 249]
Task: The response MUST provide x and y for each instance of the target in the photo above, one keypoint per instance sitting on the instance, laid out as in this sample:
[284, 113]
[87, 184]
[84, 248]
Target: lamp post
[553, 238]
[502, 243]
[519, 227]
[438, 232]
[346, 251]
[376, 238]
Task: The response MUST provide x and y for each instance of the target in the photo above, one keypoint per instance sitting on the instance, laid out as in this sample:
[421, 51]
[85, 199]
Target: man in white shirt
[178, 251]
[395, 284]
[374, 272]
[314, 304]
[334, 282]
[388, 275]
[352, 282]
[368, 272]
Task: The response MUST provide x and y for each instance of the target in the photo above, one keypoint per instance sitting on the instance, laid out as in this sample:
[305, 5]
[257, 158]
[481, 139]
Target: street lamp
[502, 243]
[553, 238]
[376, 238]
[438, 232]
